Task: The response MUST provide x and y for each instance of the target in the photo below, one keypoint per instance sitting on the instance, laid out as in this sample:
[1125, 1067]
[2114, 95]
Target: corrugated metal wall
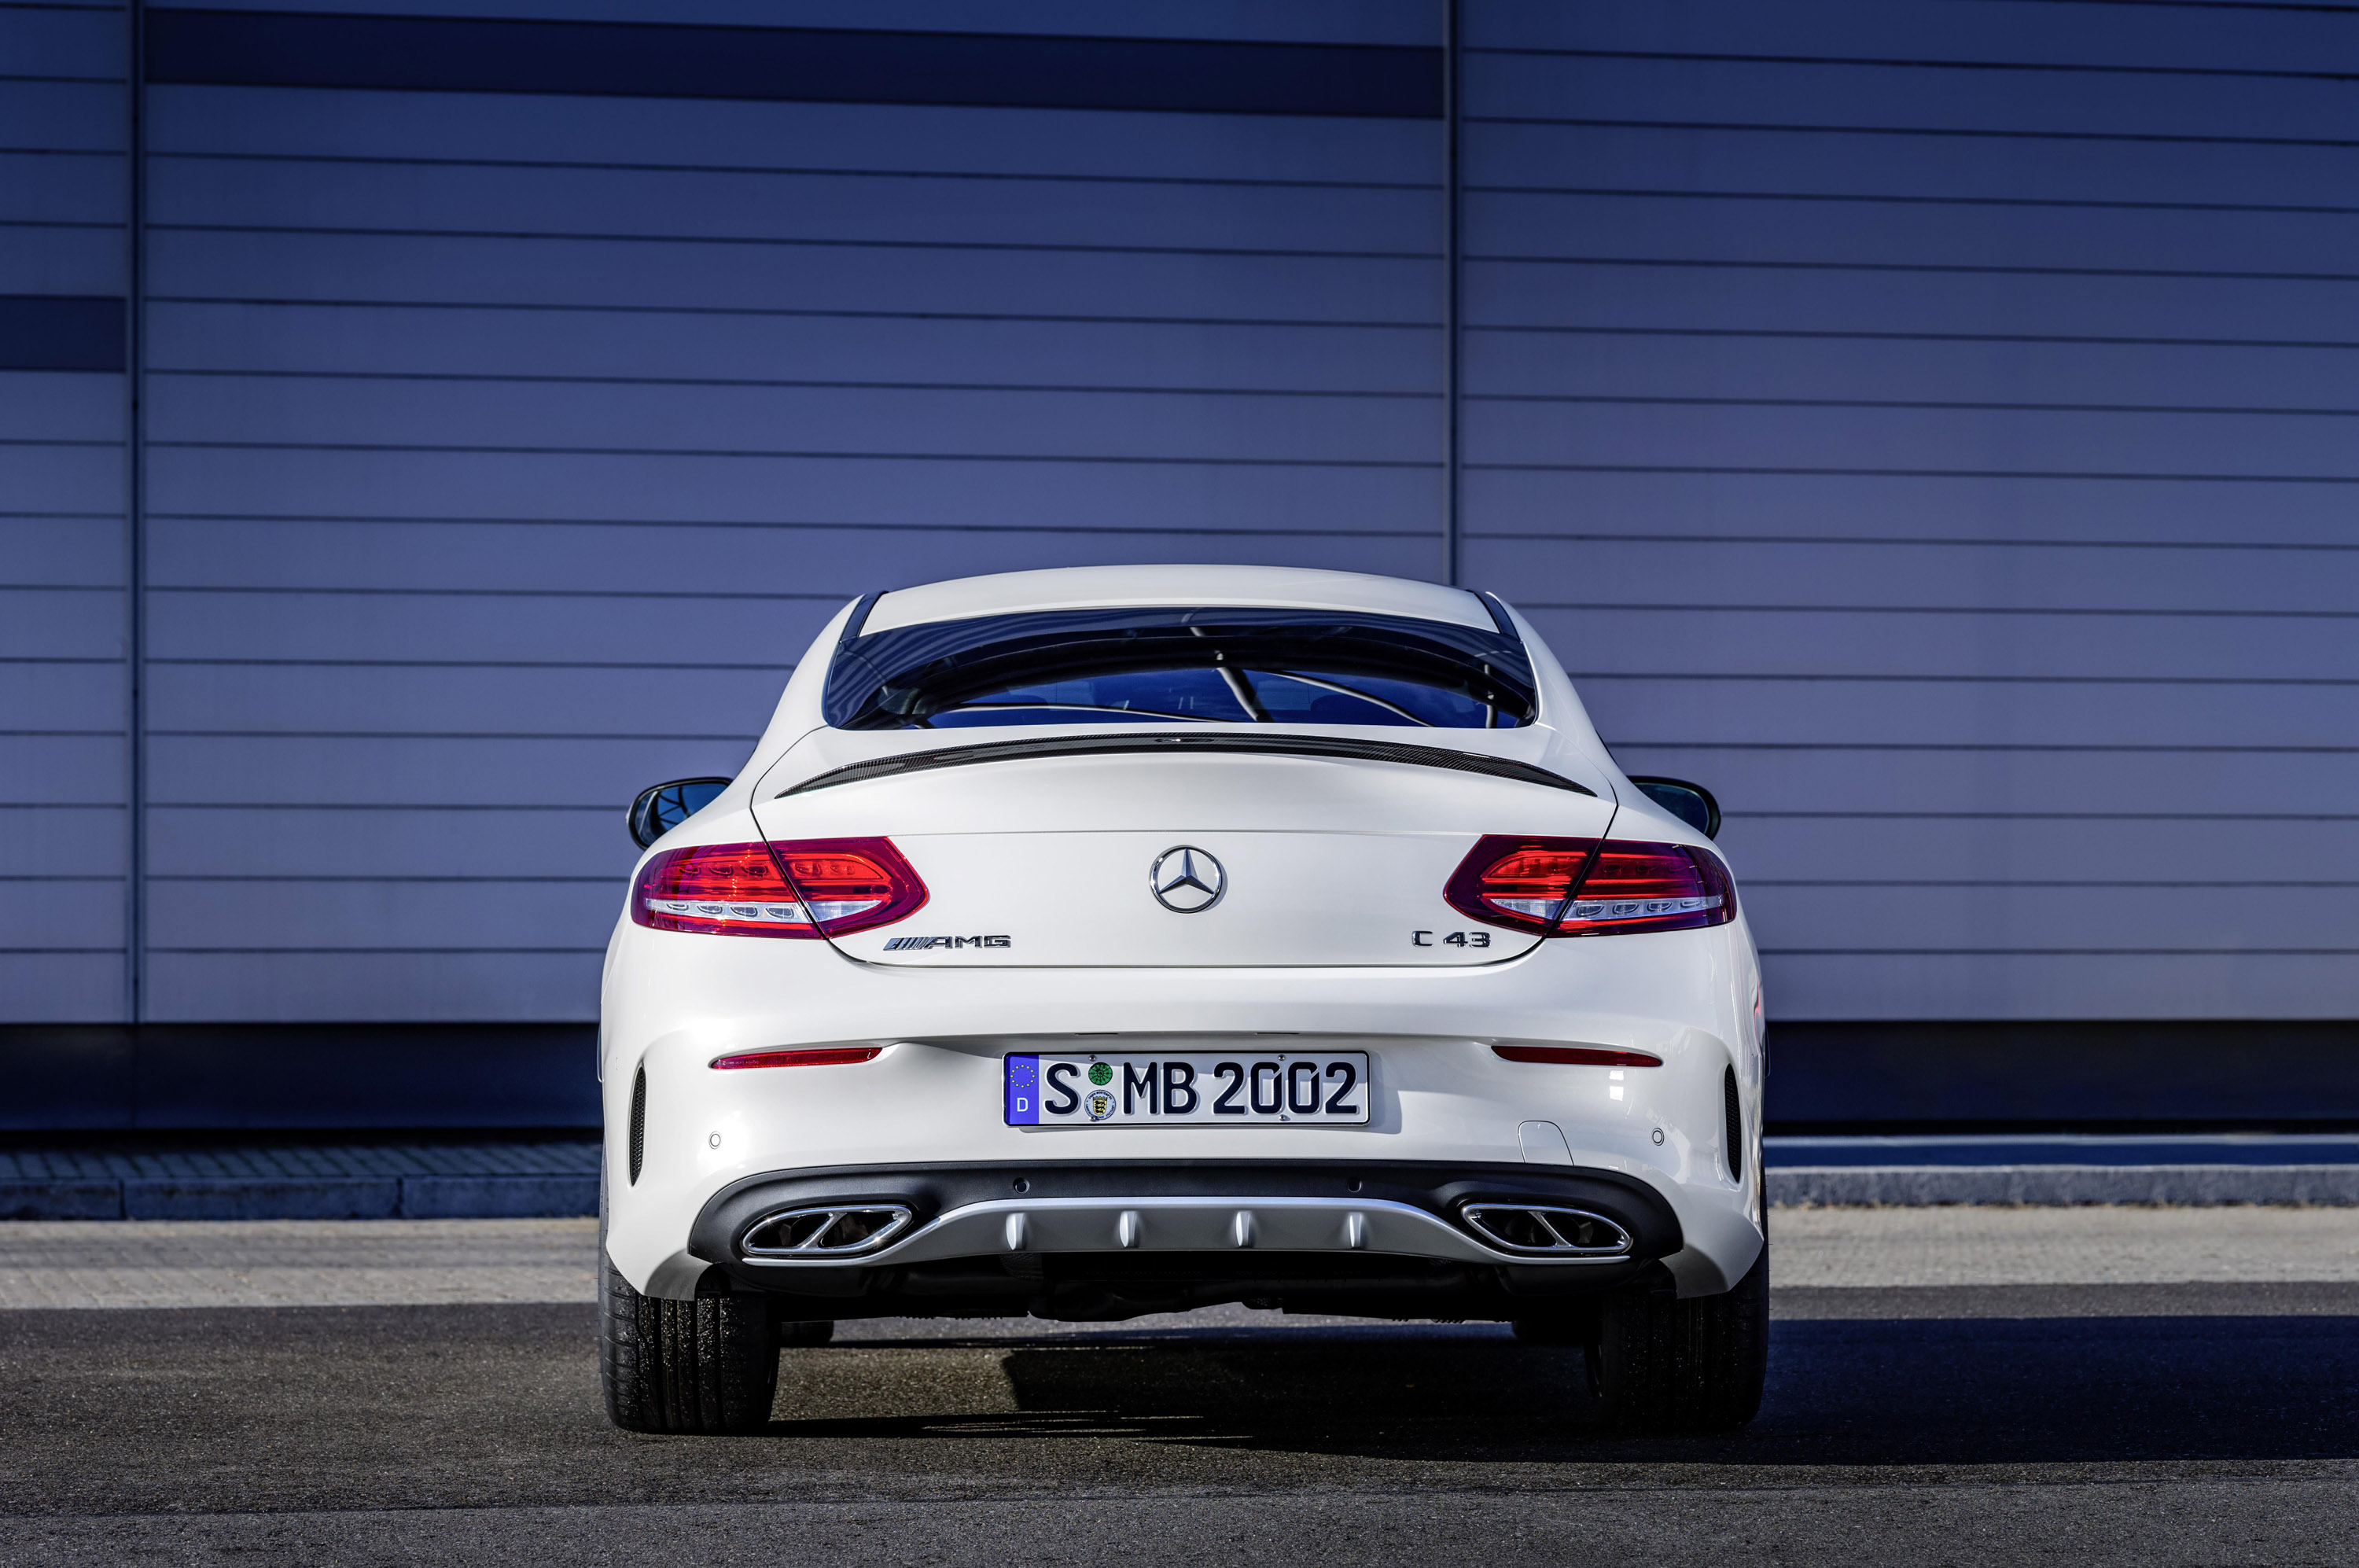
[1928, 423]
[1935, 425]
[64, 557]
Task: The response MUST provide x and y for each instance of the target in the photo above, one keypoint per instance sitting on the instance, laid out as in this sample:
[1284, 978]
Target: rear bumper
[1439, 1100]
[1112, 1240]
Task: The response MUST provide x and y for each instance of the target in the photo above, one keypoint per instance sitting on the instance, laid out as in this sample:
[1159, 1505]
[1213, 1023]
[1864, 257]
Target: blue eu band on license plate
[1189, 1088]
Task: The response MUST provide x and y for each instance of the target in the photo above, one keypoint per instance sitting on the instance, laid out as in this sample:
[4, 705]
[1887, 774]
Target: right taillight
[1634, 886]
[1519, 883]
[1576, 886]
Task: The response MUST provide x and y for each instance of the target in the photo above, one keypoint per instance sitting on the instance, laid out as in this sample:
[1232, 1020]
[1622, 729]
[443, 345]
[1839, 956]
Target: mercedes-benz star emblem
[1187, 881]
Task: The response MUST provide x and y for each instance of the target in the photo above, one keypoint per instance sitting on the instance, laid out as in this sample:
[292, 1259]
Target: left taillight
[802, 888]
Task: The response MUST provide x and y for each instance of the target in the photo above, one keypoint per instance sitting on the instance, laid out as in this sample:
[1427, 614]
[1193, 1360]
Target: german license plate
[1319, 1088]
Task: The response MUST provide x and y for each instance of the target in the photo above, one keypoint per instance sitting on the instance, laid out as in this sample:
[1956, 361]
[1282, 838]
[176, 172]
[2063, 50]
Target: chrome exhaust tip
[1537, 1231]
[843, 1230]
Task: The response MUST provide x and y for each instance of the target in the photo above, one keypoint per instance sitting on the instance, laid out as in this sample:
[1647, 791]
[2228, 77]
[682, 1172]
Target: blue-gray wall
[1929, 423]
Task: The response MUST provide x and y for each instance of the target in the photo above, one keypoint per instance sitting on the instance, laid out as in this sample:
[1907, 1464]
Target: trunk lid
[1188, 857]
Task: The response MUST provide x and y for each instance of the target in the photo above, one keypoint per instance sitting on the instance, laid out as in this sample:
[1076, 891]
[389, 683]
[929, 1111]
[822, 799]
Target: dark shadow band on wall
[446, 54]
[1827, 1077]
[60, 331]
[2065, 1076]
[56, 1077]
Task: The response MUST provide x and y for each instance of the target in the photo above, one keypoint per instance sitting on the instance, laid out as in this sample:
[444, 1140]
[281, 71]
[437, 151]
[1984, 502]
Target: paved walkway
[286, 1263]
[160, 1179]
[295, 1263]
[276, 1180]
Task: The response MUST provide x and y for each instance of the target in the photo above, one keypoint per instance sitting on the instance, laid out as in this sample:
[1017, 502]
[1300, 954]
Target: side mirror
[1691, 803]
[664, 807]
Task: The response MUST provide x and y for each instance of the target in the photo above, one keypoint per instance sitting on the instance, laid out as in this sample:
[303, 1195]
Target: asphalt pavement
[2154, 1386]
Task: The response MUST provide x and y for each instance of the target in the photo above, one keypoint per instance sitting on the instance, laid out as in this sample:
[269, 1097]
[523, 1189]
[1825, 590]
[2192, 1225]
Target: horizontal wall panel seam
[2057, 952]
[603, 808]
[1785, 127]
[638, 60]
[746, 738]
[779, 670]
[764, 597]
[1896, 541]
[1865, 816]
[1923, 882]
[1637, 402]
[351, 950]
[1753, 264]
[1873, 63]
[717, 453]
[1895, 882]
[1018, 386]
[2024, 474]
[1727, 607]
[765, 525]
[798, 243]
[811, 171]
[1336, 324]
[1603, 677]
[620, 879]
[1799, 334]
[1982, 747]
[1880, 199]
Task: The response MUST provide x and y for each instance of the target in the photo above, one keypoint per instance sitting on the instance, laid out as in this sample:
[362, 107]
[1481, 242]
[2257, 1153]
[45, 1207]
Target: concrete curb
[558, 1196]
[2063, 1185]
[300, 1198]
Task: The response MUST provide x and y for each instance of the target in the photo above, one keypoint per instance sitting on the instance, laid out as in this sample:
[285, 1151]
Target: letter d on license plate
[1290, 1088]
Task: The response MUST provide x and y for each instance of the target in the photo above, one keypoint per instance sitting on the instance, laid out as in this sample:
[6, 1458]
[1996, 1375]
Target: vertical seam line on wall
[1449, 292]
[135, 432]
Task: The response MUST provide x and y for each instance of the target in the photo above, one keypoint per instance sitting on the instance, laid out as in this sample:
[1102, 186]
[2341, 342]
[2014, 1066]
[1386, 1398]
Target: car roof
[1113, 587]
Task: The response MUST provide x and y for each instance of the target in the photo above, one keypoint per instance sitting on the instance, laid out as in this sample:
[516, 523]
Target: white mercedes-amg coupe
[1119, 939]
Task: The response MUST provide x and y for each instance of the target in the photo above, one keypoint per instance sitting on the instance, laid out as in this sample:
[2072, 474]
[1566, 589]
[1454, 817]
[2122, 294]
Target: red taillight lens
[824, 1056]
[1578, 887]
[726, 889]
[1519, 883]
[1637, 887]
[802, 889]
[851, 884]
[1570, 1056]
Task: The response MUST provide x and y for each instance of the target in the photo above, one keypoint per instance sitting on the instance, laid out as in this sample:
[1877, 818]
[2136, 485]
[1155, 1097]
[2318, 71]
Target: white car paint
[1333, 864]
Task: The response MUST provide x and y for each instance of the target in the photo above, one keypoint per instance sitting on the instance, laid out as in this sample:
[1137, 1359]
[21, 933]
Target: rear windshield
[1166, 665]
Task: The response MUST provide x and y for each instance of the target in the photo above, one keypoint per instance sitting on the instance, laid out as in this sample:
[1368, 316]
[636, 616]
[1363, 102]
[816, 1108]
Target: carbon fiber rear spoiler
[1174, 744]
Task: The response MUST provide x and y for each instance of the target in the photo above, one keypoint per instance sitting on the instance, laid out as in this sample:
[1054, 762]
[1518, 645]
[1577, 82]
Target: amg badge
[910, 943]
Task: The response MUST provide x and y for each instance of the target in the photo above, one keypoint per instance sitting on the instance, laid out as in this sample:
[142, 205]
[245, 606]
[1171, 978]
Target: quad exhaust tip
[1537, 1231]
[834, 1232]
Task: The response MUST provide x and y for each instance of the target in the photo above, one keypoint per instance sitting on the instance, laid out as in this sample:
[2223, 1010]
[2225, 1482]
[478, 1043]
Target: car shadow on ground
[1857, 1392]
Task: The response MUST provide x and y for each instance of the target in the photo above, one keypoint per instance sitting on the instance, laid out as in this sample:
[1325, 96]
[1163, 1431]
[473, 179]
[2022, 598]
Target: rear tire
[706, 1365]
[1662, 1364]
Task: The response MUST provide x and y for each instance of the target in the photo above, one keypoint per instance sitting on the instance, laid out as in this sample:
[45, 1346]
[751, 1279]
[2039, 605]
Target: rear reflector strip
[1576, 1056]
[829, 1056]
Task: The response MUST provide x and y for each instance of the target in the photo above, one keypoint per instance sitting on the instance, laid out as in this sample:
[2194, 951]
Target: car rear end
[1104, 958]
